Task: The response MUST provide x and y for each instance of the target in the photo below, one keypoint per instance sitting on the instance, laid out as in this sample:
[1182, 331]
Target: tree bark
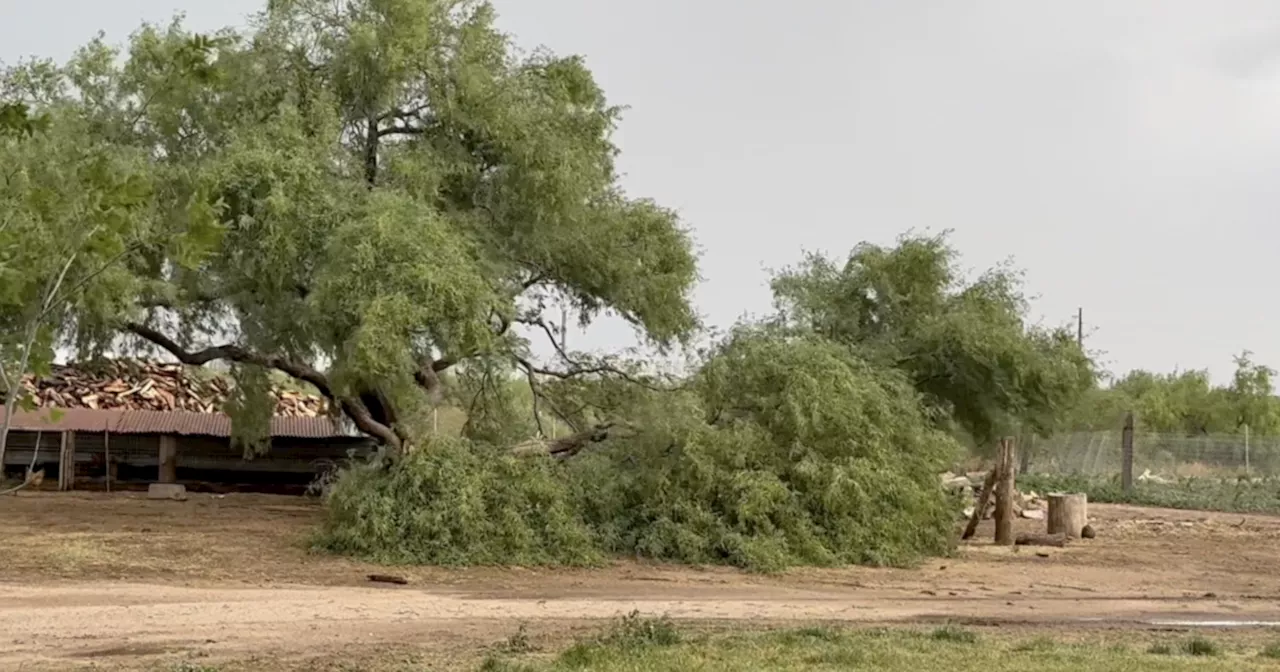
[1068, 514]
[353, 407]
[1004, 494]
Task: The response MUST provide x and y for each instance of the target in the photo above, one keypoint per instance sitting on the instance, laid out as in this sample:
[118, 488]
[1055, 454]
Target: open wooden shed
[92, 446]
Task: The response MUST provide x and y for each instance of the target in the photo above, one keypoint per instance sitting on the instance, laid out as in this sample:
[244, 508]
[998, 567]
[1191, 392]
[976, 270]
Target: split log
[980, 509]
[1029, 539]
[1068, 514]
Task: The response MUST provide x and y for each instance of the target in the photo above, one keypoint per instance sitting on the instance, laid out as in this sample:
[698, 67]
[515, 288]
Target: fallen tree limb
[1029, 539]
[566, 447]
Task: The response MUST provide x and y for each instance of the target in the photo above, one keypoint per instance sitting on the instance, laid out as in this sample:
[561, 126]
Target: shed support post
[67, 461]
[168, 459]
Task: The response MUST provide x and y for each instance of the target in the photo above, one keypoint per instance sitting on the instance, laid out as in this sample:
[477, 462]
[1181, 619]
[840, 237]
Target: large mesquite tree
[394, 190]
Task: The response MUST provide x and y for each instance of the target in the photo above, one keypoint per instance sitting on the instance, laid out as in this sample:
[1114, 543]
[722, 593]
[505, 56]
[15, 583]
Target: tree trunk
[1004, 494]
[1068, 514]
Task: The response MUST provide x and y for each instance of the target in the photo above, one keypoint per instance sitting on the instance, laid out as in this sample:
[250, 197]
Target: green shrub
[455, 503]
[813, 457]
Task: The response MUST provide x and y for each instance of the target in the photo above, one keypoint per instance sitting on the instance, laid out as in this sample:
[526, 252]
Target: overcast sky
[1126, 154]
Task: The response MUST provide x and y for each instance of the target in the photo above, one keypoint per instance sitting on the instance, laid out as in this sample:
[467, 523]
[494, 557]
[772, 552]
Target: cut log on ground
[388, 578]
[980, 510]
[1068, 514]
[1029, 539]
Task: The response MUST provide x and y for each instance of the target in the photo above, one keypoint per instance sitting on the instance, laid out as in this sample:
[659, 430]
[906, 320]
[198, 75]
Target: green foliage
[808, 456]
[781, 452]
[251, 408]
[384, 187]
[965, 345]
[454, 504]
[1187, 402]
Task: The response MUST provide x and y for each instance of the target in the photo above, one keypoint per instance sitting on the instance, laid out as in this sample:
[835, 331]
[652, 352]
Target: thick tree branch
[401, 130]
[578, 368]
[353, 407]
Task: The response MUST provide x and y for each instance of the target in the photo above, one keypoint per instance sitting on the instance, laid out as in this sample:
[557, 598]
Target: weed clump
[954, 635]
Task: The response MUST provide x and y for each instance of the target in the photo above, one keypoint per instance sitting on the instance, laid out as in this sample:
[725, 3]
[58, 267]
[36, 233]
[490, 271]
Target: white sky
[1126, 154]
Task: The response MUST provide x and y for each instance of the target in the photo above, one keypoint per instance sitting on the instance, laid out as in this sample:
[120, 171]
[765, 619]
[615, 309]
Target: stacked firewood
[1025, 504]
[152, 386]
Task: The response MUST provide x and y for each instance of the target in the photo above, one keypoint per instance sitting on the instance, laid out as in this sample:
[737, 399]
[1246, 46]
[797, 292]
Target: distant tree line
[1186, 402]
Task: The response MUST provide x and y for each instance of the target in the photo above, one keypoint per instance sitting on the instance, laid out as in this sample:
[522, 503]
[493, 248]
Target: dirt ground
[117, 581]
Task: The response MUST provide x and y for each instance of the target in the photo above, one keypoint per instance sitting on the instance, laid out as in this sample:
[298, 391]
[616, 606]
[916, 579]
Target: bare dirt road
[122, 582]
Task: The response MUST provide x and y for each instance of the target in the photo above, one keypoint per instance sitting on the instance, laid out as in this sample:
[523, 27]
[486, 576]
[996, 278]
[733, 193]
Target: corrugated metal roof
[183, 423]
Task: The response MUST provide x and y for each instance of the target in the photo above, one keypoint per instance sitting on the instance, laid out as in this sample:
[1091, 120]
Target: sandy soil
[122, 582]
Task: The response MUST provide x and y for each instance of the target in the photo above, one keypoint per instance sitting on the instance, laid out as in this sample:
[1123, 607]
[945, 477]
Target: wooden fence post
[1004, 493]
[1126, 454]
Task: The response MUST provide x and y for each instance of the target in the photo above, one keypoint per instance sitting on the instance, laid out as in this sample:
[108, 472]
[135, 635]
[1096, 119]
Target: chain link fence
[1155, 456]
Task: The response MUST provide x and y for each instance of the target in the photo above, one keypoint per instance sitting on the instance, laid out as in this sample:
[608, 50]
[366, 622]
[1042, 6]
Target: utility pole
[1080, 327]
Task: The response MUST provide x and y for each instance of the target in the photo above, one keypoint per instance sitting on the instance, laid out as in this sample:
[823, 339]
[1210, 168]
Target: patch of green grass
[1195, 646]
[1271, 651]
[1201, 646]
[1039, 644]
[1193, 493]
[950, 633]
[642, 645]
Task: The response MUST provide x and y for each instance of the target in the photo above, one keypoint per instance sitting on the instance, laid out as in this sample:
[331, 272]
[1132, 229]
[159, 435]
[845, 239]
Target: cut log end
[1068, 514]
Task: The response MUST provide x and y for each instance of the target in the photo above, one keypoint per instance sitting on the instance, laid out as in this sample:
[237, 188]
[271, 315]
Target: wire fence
[1155, 456]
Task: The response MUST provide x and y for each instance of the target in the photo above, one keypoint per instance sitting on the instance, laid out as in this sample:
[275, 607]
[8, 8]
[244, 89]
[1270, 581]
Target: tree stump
[1068, 514]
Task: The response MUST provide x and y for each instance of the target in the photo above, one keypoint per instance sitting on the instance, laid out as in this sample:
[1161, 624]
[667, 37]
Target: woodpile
[1025, 504]
[152, 386]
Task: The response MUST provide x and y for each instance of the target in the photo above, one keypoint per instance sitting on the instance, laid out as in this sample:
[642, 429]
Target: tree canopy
[362, 195]
[1187, 402]
[966, 345]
